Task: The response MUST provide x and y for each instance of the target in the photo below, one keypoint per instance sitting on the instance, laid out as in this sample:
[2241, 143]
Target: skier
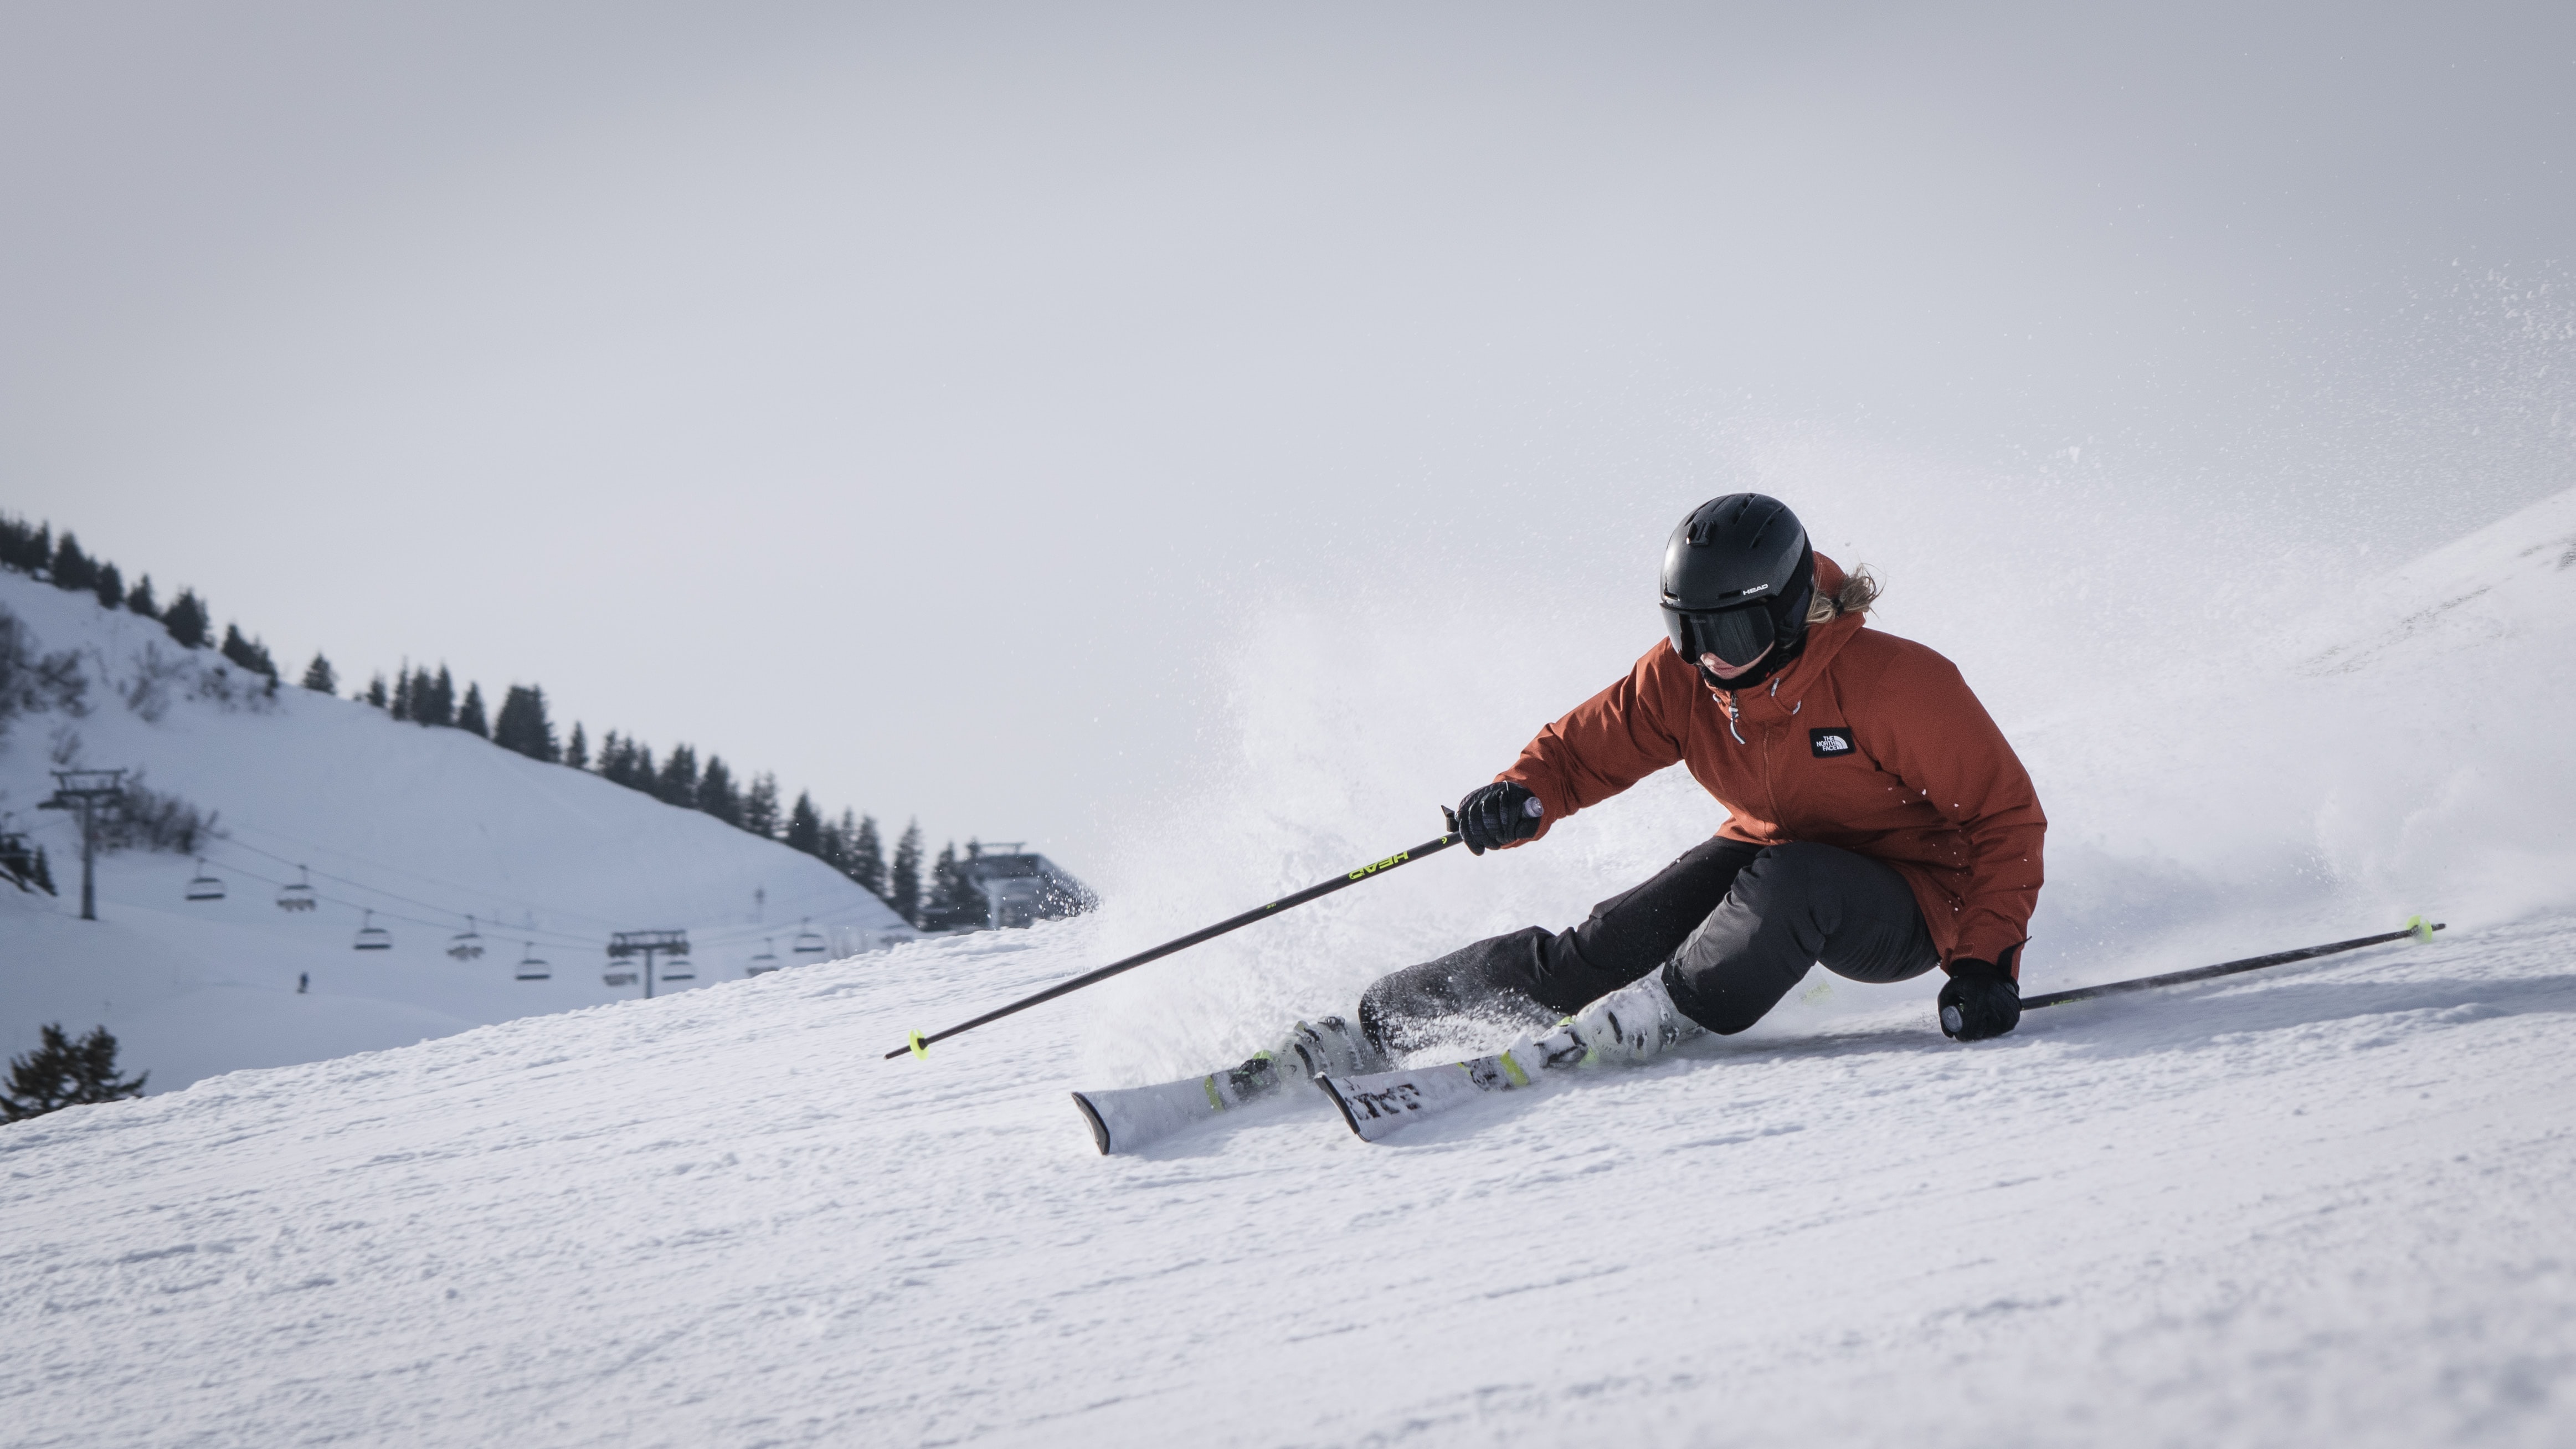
[1878, 822]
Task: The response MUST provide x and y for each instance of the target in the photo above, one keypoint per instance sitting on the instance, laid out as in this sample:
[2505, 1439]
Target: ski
[1124, 1119]
[1380, 1103]
[1377, 1105]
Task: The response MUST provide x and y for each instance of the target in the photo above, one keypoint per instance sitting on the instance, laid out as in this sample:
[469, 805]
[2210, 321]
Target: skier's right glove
[1493, 816]
[1980, 1000]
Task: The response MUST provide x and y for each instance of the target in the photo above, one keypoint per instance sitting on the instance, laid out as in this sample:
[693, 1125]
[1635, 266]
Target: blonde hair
[1860, 589]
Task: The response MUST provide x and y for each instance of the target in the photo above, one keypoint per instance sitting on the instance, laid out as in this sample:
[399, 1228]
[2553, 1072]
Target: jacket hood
[1824, 641]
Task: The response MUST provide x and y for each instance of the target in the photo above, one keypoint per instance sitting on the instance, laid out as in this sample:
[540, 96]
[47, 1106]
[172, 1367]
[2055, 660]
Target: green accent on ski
[1512, 1069]
[1209, 1082]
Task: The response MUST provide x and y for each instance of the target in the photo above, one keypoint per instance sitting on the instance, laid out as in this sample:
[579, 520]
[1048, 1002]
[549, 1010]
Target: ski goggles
[1738, 636]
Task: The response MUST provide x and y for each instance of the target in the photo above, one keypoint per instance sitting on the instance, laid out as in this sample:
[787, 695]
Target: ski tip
[1099, 1129]
[1342, 1105]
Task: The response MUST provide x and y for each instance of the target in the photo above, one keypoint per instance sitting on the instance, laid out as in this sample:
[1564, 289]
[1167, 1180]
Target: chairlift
[299, 896]
[618, 976]
[205, 886]
[532, 969]
[465, 945]
[679, 969]
[372, 937]
[765, 962]
[807, 943]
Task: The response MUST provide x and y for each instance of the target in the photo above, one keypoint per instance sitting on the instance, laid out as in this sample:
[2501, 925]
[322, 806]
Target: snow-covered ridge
[425, 828]
[2514, 579]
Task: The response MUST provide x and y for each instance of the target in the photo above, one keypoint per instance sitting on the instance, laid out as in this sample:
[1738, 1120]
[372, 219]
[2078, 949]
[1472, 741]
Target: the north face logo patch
[1829, 743]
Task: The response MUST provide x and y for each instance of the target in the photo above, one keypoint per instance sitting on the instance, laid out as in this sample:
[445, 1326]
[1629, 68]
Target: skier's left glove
[1980, 1000]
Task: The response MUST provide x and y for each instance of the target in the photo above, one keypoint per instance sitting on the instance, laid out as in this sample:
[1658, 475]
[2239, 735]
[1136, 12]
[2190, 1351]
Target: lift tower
[92, 793]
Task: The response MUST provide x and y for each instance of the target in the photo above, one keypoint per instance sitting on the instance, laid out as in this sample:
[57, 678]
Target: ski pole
[919, 1044]
[2419, 928]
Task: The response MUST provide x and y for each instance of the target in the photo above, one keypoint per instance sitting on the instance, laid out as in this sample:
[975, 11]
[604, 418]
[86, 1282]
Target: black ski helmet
[1738, 575]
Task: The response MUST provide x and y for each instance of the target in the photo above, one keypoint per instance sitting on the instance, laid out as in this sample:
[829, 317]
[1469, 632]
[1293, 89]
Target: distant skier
[1878, 821]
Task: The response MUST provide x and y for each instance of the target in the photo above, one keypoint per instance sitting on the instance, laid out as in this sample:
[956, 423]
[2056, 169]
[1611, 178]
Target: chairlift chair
[532, 969]
[465, 945]
[299, 896]
[765, 962]
[679, 969]
[618, 976]
[808, 945]
[205, 886]
[372, 937]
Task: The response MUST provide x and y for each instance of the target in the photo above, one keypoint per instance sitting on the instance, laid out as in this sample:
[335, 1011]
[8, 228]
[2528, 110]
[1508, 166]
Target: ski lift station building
[1021, 887]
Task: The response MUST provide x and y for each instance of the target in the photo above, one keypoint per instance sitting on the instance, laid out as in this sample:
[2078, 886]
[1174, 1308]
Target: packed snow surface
[2322, 1203]
[2326, 1204]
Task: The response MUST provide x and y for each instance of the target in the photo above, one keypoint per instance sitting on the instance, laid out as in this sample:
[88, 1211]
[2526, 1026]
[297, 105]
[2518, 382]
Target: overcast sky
[963, 410]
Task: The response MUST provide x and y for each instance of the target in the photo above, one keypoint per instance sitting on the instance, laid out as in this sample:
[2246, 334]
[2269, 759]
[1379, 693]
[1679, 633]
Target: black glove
[1979, 1001]
[1493, 816]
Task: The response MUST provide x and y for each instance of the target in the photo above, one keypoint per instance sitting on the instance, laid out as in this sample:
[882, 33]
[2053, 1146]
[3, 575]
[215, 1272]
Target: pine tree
[760, 807]
[805, 826]
[433, 700]
[19, 547]
[140, 601]
[867, 856]
[830, 846]
[470, 718]
[716, 793]
[110, 587]
[320, 677]
[522, 724]
[187, 620]
[845, 842]
[376, 692]
[72, 568]
[402, 693]
[617, 762]
[65, 1073]
[577, 753]
[249, 654]
[678, 782]
[955, 903]
[903, 882]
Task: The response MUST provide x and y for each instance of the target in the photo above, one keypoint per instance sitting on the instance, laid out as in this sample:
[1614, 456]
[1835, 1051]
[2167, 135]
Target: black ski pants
[1733, 926]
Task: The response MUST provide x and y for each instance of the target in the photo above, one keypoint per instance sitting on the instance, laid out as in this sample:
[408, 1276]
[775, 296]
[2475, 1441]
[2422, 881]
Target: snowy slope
[2320, 1204]
[2323, 1206]
[425, 827]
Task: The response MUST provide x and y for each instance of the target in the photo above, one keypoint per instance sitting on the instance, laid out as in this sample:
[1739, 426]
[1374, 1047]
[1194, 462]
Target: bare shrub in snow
[156, 673]
[153, 820]
[32, 681]
[225, 688]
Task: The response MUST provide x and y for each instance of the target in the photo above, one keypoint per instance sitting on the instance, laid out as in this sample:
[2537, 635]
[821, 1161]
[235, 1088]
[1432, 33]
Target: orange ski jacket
[1867, 741]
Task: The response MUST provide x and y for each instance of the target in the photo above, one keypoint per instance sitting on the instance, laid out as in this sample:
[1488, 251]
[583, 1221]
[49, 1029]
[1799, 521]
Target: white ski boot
[1328, 1045]
[1632, 1024]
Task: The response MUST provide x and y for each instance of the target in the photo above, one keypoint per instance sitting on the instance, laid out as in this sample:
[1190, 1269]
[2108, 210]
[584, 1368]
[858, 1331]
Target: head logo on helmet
[1738, 574]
